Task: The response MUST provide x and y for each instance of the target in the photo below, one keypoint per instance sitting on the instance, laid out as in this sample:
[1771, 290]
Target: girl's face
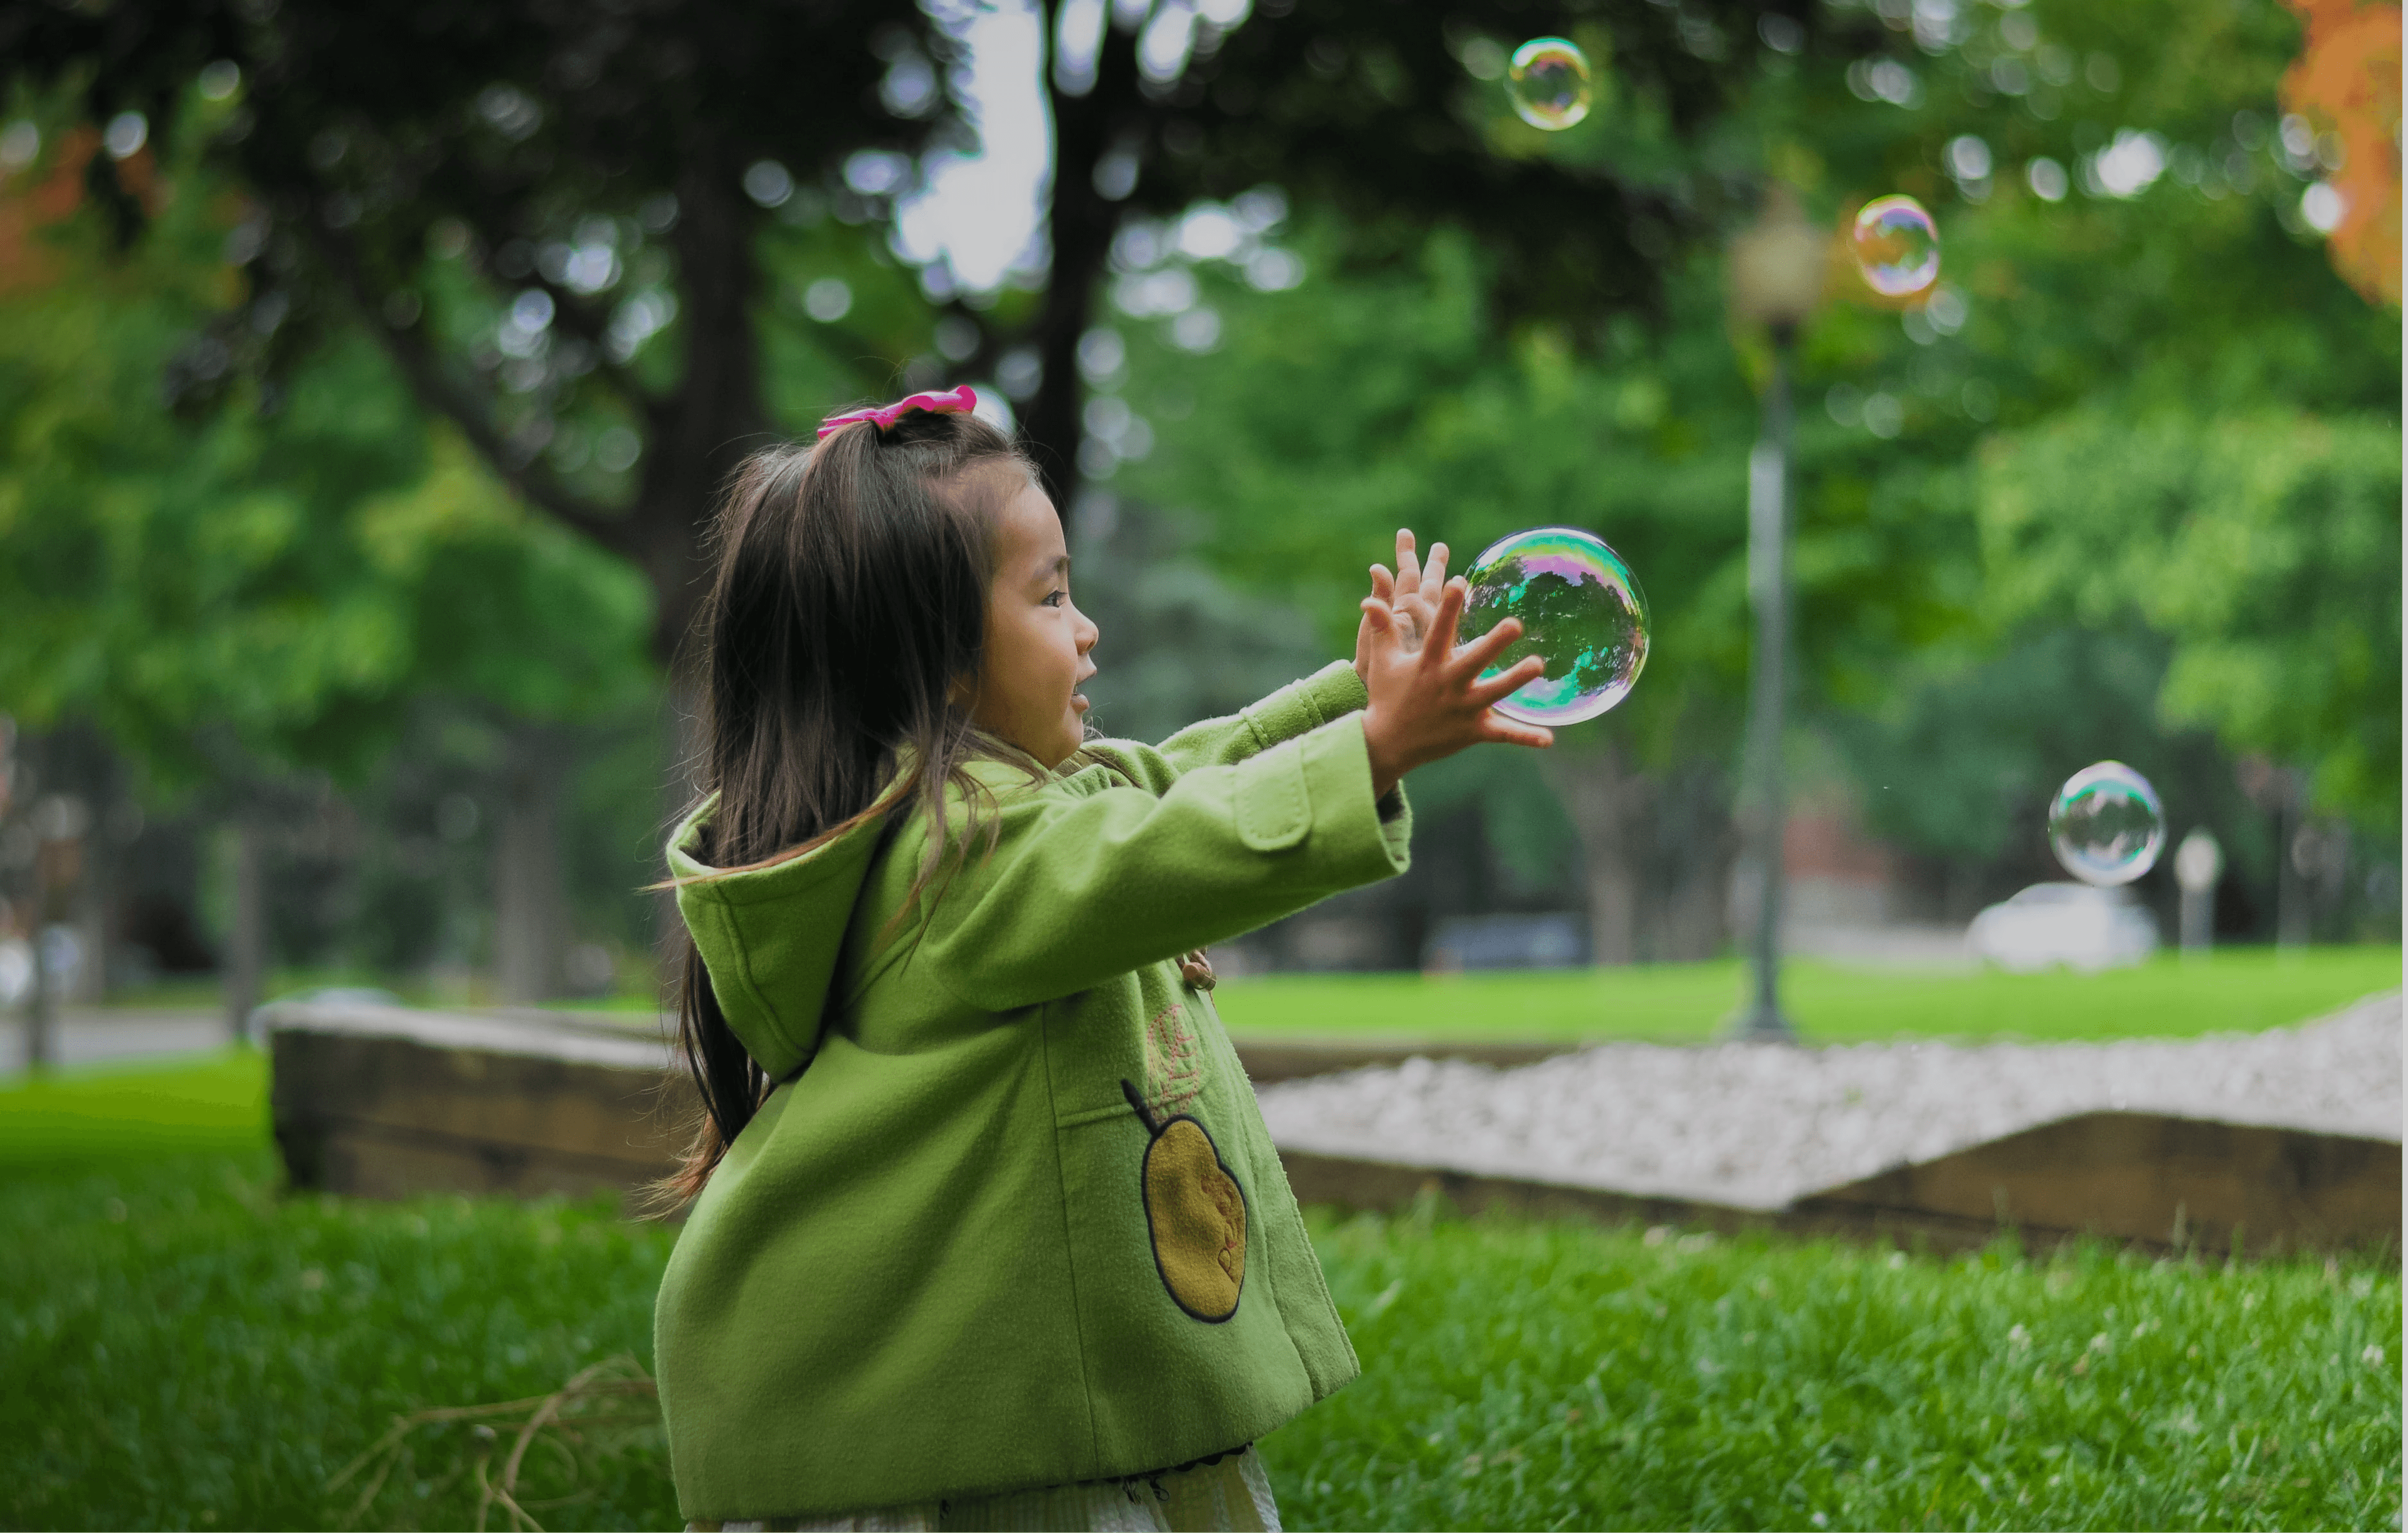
[1037, 641]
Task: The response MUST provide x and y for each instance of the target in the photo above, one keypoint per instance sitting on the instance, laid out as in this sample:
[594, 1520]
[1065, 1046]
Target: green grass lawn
[134, 1108]
[183, 1346]
[2243, 989]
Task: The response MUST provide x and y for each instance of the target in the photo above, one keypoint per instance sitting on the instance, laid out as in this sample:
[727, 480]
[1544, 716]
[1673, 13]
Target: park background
[365, 375]
[358, 437]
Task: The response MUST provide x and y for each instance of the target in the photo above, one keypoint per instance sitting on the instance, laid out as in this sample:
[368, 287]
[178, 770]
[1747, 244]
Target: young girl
[986, 1231]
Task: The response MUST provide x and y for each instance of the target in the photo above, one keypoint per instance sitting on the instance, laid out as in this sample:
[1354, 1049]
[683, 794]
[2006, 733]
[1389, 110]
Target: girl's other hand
[1427, 700]
[1411, 593]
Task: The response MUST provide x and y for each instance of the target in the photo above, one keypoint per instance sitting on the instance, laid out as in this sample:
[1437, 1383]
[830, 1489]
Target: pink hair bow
[960, 401]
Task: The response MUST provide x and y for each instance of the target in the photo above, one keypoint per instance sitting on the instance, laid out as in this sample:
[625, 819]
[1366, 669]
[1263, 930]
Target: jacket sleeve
[1079, 888]
[1330, 693]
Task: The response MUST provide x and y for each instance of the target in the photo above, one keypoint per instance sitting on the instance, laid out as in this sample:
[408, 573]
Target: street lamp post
[1776, 276]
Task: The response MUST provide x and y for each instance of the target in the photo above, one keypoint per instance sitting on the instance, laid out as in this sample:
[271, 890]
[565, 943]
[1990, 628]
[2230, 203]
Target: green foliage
[1521, 1375]
[1332, 415]
[2198, 309]
[1963, 755]
[2203, 290]
[2267, 547]
[277, 576]
[2233, 990]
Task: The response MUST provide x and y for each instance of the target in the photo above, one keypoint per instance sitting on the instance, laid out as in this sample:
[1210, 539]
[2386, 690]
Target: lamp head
[1777, 264]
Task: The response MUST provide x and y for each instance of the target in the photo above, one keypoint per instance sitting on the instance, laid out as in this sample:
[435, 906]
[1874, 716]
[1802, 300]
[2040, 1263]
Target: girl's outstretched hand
[1427, 700]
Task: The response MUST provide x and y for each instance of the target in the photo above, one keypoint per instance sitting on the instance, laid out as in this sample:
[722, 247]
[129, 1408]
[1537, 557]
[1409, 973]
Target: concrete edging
[2146, 1181]
[386, 1102]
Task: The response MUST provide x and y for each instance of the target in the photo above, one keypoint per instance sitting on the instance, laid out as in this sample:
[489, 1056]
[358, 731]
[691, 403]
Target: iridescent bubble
[1582, 613]
[1897, 246]
[2107, 824]
[1548, 80]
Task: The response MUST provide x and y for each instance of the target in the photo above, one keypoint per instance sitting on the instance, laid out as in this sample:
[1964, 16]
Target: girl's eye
[1055, 598]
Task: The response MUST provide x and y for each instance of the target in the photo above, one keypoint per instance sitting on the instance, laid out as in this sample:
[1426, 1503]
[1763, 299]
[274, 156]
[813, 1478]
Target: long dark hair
[847, 609]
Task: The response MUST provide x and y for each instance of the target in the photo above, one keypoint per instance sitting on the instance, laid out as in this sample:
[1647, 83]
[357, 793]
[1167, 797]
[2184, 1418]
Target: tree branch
[472, 415]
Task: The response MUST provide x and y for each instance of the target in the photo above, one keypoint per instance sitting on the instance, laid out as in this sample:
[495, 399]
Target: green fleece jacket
[1011, 1218]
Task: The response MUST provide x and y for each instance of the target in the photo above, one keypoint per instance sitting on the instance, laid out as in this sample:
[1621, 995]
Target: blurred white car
[2069, 924]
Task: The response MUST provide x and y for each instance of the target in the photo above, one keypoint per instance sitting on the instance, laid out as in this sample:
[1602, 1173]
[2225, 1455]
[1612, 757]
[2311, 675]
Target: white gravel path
[1754, 1126]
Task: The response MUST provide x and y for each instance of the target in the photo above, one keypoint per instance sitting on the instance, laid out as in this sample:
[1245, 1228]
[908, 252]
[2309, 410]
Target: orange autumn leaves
[2346, 82]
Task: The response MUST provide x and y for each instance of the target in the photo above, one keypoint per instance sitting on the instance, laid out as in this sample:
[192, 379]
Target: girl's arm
[1330, 693]
[1079, 889]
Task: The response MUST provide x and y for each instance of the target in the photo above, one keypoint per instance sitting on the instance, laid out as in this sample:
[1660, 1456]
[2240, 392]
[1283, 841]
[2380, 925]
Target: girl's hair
[847, 609]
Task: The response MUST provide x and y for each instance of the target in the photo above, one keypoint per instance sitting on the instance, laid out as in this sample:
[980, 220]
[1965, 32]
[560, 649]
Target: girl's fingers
[1378, 614]
[1409, 568]
[1384, 585]
[1482, 653]
[1508, 681]
[1439, 642]
[1496, 726]
[1435, 571]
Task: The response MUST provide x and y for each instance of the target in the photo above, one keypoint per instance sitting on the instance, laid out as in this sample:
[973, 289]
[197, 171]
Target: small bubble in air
[1897, 246]
[1548, 80]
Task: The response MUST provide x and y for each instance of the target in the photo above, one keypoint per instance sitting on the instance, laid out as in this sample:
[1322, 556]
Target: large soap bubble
[1548, 80]
[1896, 247]
[2106, 824]
[1582, 613]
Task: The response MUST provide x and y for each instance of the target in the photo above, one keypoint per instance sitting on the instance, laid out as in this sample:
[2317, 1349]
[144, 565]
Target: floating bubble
[2107, 824]
[1897, 246]
[1548, 80]
[1582, 613]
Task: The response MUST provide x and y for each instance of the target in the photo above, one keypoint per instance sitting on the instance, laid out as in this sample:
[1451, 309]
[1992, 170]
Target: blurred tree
[2181, 418]
[2345, 86]
[513, 201]
[2266, 546]
[1394, 121]
[1493, 327]
[413, 166]
[270, 585]
[1329, 416]
[1958, 762]
[2173, 278]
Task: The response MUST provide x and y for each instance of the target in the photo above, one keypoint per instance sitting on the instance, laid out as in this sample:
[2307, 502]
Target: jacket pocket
[1273, 812]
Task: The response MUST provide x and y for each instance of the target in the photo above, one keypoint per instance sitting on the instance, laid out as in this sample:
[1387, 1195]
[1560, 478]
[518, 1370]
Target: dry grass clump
[595, 1412]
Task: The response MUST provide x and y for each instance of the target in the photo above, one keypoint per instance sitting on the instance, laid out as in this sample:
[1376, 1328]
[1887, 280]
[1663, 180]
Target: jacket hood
[788, 921]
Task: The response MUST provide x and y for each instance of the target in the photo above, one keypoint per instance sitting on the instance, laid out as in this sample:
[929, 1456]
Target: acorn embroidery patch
[1195, 1212]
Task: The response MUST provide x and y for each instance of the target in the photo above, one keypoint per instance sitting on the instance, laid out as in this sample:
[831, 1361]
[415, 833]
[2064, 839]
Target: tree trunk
[717, 416]
[1605, 800]
[1695, 843]
[42, 1004]
[1078, 225]
[247, 941]
[93, 898]
[2292, 925]
[529, 914]
[58, 874]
